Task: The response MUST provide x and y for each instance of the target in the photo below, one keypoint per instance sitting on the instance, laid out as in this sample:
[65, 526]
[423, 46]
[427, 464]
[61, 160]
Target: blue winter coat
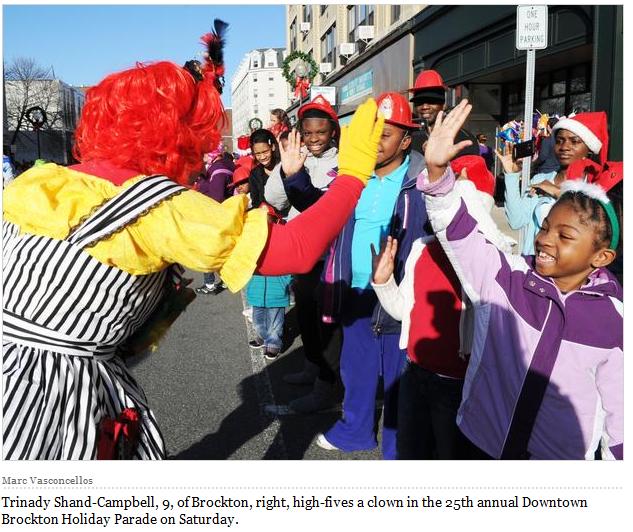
[407, 225]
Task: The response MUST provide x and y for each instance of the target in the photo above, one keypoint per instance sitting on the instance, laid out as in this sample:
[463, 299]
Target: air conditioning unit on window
[325, 68]
[304, 27]
[365, 33]
[347, 49]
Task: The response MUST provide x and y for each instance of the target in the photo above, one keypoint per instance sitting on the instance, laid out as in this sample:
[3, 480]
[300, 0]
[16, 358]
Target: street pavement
[216, 398]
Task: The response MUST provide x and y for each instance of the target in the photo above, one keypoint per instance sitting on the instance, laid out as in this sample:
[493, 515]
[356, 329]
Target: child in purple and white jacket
[545, 378]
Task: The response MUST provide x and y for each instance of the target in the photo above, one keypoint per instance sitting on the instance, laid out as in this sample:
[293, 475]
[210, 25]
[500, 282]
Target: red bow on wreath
[301, 87]
[118, 438]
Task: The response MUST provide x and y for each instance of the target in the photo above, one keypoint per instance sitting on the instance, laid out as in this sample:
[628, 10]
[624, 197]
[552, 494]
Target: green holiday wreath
[295, 59]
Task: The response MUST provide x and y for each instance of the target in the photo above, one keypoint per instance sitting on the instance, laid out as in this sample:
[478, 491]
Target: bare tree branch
[28, 84]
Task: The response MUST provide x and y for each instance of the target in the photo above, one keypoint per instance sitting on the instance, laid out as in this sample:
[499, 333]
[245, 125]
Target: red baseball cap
[240, 175]
[246, 161]
[319, 104]
[428, 79]
[395, 108]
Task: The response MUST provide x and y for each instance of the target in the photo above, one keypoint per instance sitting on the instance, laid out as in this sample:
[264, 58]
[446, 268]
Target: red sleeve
[298, 245]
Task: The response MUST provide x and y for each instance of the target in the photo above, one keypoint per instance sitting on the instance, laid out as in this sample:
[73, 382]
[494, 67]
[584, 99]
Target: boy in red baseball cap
[316, 167]
[429, 98]
[318, 132]
[389, 206]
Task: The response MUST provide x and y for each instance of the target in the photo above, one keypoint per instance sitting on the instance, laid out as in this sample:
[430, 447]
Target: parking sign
[531, 27]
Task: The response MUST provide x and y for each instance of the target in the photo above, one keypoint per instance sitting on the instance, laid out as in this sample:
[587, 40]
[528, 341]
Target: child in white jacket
[437, 327]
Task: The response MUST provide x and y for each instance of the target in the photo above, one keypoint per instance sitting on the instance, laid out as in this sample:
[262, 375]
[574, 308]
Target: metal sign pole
[527, 128]
[531, 35]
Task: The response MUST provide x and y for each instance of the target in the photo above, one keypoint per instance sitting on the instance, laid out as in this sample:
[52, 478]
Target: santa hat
[243, 142]
[597, 193]
[591, 128]
[607, 175]
[611, 175]
[243, 145]
[477, 172]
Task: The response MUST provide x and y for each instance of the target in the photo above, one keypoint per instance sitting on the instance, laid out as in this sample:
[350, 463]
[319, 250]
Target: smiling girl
[576, 139]
[545, 377]
[265, 150]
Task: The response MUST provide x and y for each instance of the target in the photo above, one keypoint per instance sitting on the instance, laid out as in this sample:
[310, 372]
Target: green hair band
[596, 192]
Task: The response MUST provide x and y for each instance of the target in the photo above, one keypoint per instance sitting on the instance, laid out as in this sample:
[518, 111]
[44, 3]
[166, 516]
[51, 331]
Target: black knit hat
[434, 94]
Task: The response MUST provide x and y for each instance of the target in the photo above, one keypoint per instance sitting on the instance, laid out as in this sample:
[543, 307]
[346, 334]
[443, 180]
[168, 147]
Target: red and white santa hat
[477, 172]
[592, 129]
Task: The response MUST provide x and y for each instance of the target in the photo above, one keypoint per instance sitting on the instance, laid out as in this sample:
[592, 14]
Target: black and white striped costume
[64, 314]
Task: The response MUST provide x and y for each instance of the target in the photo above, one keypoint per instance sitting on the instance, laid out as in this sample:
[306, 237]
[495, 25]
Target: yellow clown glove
[358, 149]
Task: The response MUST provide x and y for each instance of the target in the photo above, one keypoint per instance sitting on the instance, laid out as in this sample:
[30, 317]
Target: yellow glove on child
[358, 149]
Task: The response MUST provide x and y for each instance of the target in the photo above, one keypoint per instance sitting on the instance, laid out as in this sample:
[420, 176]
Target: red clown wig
[156, 118]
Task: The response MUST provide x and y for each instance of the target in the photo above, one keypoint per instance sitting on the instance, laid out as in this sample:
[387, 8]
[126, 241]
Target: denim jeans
[269, 325]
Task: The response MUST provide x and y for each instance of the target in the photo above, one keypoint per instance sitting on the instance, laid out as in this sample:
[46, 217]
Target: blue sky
[84, 43]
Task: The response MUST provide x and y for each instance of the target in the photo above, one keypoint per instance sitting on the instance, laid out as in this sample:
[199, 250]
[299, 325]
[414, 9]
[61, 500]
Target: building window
[351, 24]
[307, 13]
[270, 78]
[293, 36]
[255, 77]
[323, 9]
[369, 19]
[328, 46]
[271, 58]
[359, 15]
[395, 13]
[558, 92]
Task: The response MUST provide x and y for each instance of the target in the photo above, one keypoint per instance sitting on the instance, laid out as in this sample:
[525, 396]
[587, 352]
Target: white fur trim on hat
[588, 137]
[588, 189]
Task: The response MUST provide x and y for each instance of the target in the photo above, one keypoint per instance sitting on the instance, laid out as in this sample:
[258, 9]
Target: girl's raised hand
[440, 148]
[291, 158]
[383, 263]
[510, 166]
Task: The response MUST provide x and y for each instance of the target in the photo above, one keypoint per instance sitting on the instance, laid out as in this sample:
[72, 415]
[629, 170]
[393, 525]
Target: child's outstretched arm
[475, 260]
[518, 208]
[296, 246]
